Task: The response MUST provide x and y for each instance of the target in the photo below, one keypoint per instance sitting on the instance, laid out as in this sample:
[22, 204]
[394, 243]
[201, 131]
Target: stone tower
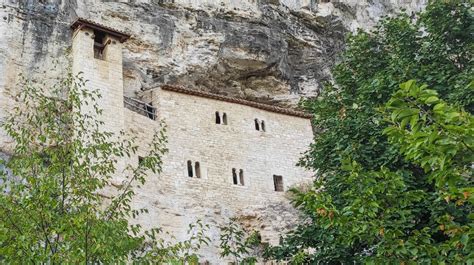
[97, 54]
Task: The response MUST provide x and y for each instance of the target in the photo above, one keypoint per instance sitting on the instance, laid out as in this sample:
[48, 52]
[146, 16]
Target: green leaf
[439, 107]
[431, 100]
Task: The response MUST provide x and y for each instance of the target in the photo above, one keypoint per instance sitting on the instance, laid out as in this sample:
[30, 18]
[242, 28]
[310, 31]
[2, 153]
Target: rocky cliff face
[272, 51]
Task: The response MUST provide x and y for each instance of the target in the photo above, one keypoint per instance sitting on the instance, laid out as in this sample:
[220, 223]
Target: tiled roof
[122, 36]
[254, 104]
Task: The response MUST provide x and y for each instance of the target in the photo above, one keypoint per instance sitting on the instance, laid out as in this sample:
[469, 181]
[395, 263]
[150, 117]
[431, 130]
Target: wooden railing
[140, 107]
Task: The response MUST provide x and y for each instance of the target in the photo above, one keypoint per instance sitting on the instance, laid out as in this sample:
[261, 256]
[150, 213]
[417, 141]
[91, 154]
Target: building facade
[227, 157]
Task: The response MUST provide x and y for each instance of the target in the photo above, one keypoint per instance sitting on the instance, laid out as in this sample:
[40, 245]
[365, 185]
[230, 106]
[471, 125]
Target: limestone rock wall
[270, 50]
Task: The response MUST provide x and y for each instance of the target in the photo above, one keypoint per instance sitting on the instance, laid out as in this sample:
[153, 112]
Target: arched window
[263, 125]
[197, 169]
[190, 169]
[218, 118]
[241, 177]
[257, 126]
[224, 118]
[234, 176]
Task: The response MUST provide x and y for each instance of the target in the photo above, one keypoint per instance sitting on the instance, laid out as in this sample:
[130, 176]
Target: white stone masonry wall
[175, 200]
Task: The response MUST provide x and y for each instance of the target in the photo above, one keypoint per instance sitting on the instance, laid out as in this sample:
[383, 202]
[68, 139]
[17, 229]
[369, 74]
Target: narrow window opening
[197, 170]
[234, 176]
[218, 118]
[257, 126]
[140, 160]
[99, 45]
[278, 182]
[150, 110]
[241, 177]
[263, 125]
[190, 169]
[224, 118]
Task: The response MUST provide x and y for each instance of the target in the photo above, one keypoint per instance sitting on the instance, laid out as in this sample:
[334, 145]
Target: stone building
[270, 51]
[227, 157]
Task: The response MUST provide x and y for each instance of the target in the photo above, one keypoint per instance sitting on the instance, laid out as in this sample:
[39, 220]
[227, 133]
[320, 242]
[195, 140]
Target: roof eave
[122, 36]
[249, 103]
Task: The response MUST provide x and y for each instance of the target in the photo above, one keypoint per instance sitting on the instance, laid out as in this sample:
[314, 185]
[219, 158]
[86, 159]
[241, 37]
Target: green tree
[439, 138]
[379, 197]
[57, 204]
[243, 247]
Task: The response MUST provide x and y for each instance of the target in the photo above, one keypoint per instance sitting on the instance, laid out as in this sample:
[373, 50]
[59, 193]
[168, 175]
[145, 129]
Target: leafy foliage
[57, 204]
[394, 162]
[440, 139]
[433, 134]
[372, 67]
[243, 247]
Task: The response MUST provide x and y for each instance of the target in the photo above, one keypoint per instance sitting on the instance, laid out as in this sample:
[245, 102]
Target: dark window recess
[241, 177]
[150, 110]
[278, 182]
[234, 176]
[238, 179]
[99, 45]
[197, 170]
[190, 169]
[257, 126]
[221, 119]
[224, 118]
[194, 171]
[141, 160]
